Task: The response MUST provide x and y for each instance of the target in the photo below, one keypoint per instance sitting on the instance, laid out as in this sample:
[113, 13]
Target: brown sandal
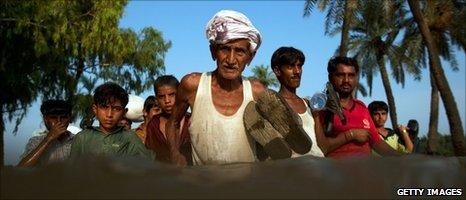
[264, 133]
[276, 110]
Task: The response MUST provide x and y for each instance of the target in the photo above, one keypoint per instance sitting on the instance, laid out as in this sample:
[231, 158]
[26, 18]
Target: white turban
[229, 25]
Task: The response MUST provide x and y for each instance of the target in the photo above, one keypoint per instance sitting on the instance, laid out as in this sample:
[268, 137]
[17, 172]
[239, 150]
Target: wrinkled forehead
[240, 42]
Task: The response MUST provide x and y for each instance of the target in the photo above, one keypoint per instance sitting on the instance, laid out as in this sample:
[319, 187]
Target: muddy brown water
[304, 177]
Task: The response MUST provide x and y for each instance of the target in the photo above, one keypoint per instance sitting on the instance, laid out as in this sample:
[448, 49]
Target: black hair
[55, 107]
[413, 128]
[377, 105]
[286, 56]
[169, 80]
[109, 92]
[149, 103]
[335, 61]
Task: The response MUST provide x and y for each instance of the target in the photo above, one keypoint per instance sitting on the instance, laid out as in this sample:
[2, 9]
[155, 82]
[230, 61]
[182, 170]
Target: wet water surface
[305, 177]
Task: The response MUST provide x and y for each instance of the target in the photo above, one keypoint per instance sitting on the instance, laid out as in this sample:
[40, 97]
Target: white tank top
[308, 126]
[216, 138]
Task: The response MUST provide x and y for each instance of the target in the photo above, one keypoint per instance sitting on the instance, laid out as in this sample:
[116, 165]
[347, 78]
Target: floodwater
[304, 177]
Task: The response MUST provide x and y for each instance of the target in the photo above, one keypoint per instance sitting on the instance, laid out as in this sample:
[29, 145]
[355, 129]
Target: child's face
[109, 115]
[126, 123]
[52, 119]
[379, 117]
[152, 112]
[165, 97]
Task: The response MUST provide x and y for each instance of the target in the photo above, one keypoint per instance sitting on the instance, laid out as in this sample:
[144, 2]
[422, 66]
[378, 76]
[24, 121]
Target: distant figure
[165, 89]
[413, 130]
[218, 98]
[150, 110]
[87, 120]
[55, 145]
[108, 139]
[125, 123]
[379, 110]
[359, 129]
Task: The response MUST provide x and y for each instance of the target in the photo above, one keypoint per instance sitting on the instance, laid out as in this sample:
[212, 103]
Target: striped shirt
[56, 150]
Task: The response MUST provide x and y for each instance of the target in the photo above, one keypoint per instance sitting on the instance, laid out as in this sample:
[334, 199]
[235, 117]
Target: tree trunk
[388, 92]
[454, 120]
[432, 135]
[343, 50]
[2, 132]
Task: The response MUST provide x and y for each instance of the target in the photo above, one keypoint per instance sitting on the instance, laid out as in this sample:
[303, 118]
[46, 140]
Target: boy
[150, 110]
[109, 139]
[55, 144]
[378, 111]
[165, 89]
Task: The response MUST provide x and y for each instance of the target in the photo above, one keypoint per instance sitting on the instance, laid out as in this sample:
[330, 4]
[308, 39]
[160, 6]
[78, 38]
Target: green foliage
[445, 21]
[374, 38]
[334, 17]
[444, 148]
[262, 73]
[62, 49]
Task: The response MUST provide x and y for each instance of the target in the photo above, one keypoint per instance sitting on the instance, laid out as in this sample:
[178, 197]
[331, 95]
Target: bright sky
[281, 23]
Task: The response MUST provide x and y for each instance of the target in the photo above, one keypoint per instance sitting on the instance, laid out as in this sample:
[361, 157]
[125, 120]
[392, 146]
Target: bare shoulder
[190, 82]
[257, 87]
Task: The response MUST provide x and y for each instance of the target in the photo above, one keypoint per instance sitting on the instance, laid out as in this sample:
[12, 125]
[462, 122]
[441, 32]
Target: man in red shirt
[358, 128]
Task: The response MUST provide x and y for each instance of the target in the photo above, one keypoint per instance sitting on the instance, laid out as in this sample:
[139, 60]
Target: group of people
[233, 119]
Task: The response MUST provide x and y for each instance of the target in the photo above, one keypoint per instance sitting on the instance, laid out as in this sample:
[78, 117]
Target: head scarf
[229, 25]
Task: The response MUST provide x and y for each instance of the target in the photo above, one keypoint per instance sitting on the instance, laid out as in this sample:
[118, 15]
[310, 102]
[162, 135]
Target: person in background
[150, 110]
[413, 131]
[55, 144]
[379, 111]
[125, 123]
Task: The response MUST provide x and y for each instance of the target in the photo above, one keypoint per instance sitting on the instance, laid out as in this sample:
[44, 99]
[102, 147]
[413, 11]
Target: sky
[281, 23]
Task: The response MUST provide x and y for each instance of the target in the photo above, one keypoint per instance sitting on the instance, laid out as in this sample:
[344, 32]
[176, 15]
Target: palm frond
[308, 7]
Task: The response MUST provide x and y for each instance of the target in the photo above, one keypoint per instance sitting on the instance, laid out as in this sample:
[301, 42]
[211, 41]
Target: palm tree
[443, 25]
[339, 18]
[262, 73]
[373, 43]
[435, 41]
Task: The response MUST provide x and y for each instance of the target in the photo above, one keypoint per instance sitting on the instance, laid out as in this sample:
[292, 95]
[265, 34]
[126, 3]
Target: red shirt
[156, 141]
[357, 117]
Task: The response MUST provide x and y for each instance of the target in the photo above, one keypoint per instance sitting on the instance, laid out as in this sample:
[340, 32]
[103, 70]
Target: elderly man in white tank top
[218, 98]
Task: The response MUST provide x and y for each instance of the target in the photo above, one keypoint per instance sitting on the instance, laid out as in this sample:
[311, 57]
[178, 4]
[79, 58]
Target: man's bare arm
[257, 88]
[184, 98]
[405, 136]
[329, 144]
[384, 149]
[326, 144]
